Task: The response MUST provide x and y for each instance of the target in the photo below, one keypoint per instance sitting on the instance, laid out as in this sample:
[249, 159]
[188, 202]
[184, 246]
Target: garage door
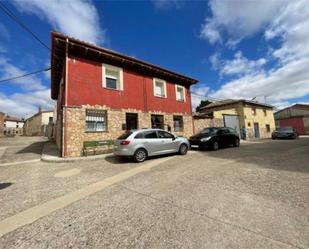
[232, 121]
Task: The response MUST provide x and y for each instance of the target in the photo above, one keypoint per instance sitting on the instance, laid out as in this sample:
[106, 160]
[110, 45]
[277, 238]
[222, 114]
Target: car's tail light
[125, 142]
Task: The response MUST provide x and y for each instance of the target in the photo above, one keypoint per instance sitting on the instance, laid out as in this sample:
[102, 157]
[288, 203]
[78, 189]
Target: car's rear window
[285, 129]
[125, 135]
[208, 131]
[140, 135]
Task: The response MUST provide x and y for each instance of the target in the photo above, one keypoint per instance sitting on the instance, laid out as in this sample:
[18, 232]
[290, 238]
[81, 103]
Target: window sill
[96, 131]
[179, 100]
[160, 97]
[112, 89]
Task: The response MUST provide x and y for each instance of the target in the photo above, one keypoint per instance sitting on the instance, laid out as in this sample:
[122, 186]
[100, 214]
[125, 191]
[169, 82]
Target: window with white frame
[96, 120]
[159, 87]
[180, 93]
[112, 77]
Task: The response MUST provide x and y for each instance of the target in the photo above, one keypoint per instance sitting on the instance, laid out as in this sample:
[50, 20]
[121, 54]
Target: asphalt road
[255, 196]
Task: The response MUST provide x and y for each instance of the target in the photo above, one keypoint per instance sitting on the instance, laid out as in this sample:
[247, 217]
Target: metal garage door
[232, 121]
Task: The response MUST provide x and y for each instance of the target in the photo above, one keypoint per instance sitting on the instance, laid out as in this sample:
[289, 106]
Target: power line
[25, 75]
[9, 13]
[205, 97]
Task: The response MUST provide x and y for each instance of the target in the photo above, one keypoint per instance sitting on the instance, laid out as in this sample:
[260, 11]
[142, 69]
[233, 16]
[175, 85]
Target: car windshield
[125, 135]
[207, 131]
[285, 129]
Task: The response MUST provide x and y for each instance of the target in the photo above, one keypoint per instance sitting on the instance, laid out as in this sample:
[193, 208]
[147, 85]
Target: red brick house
[100, 93]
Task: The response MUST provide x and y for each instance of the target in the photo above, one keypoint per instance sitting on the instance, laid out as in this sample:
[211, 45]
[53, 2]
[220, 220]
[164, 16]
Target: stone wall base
[75, 126]
[202, 123]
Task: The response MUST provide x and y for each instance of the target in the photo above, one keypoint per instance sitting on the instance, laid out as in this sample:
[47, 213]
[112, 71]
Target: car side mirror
[174, 138]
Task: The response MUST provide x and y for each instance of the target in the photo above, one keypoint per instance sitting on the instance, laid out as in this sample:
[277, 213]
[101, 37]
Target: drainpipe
[193, 126]
[64, 123]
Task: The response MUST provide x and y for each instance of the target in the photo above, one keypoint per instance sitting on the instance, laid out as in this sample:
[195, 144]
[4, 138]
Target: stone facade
[202, 123]
[37, 124]
[75, 126]
[1, 124]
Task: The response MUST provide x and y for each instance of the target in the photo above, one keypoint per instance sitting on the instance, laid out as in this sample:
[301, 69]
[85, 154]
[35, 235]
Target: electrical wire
[9, 13]
[25, 75]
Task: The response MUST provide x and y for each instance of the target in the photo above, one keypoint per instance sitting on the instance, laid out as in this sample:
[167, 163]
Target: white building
[13, 126]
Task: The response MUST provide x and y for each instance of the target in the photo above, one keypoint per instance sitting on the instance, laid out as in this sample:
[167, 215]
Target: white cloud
[210, 31]
[239, 19]
[287, 24]
[288, 82]
[8, 70]
[291, 27]
[26, 104]
[240, 65]
[76, 18]
[198, 93]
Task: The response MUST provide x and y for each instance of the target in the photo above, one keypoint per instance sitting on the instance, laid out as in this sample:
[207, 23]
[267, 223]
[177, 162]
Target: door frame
[256, 134]
[132, 114]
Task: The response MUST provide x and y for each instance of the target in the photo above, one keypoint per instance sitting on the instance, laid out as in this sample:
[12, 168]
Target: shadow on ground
[122, 160]
[5, 185]
[288, 155]
[35, 148]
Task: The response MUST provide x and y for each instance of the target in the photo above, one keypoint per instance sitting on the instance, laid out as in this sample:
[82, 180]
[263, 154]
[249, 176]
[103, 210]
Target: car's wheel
[215, 145]
[140, 155]
[183, 149]
[236, 143]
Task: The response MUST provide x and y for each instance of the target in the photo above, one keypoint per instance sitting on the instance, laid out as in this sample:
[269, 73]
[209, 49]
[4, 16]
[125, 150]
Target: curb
[56, 159]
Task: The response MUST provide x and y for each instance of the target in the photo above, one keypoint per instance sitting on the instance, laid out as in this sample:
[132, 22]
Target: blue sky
[236, 49]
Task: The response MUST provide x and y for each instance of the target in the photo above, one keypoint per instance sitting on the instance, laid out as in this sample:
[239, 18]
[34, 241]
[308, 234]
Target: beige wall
[259, 118]
[231, 111]
[75, 121]
[36, 125]
[247, 119]
[1, 124]
[202, 123]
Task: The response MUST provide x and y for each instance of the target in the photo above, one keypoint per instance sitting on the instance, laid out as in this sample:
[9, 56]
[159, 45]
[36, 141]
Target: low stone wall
[202, 123]
[75, 121]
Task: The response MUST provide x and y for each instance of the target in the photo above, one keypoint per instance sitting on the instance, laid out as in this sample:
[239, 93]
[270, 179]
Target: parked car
[215, 138]
[144, 143]
[284, 132]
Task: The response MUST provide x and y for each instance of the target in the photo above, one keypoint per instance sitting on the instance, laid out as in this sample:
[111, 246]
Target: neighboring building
[101, 93]
[1, 123]
[296, 116]
[37, 125]
[13, 126]
[253, 118]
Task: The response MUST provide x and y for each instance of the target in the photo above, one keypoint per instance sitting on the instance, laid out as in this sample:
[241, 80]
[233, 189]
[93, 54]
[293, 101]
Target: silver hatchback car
[149, 142]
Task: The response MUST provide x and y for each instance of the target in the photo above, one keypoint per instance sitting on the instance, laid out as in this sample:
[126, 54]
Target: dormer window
[112, 77]
[180, 93]
[159, 88]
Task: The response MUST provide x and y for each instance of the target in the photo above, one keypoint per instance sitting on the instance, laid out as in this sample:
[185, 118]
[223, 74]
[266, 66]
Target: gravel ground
[255, 196]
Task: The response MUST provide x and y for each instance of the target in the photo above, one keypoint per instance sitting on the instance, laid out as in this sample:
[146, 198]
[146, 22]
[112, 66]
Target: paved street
[17, 149]
[255, 196]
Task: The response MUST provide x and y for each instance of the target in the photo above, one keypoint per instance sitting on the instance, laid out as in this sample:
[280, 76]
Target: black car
[215, 138]
[284, 132]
